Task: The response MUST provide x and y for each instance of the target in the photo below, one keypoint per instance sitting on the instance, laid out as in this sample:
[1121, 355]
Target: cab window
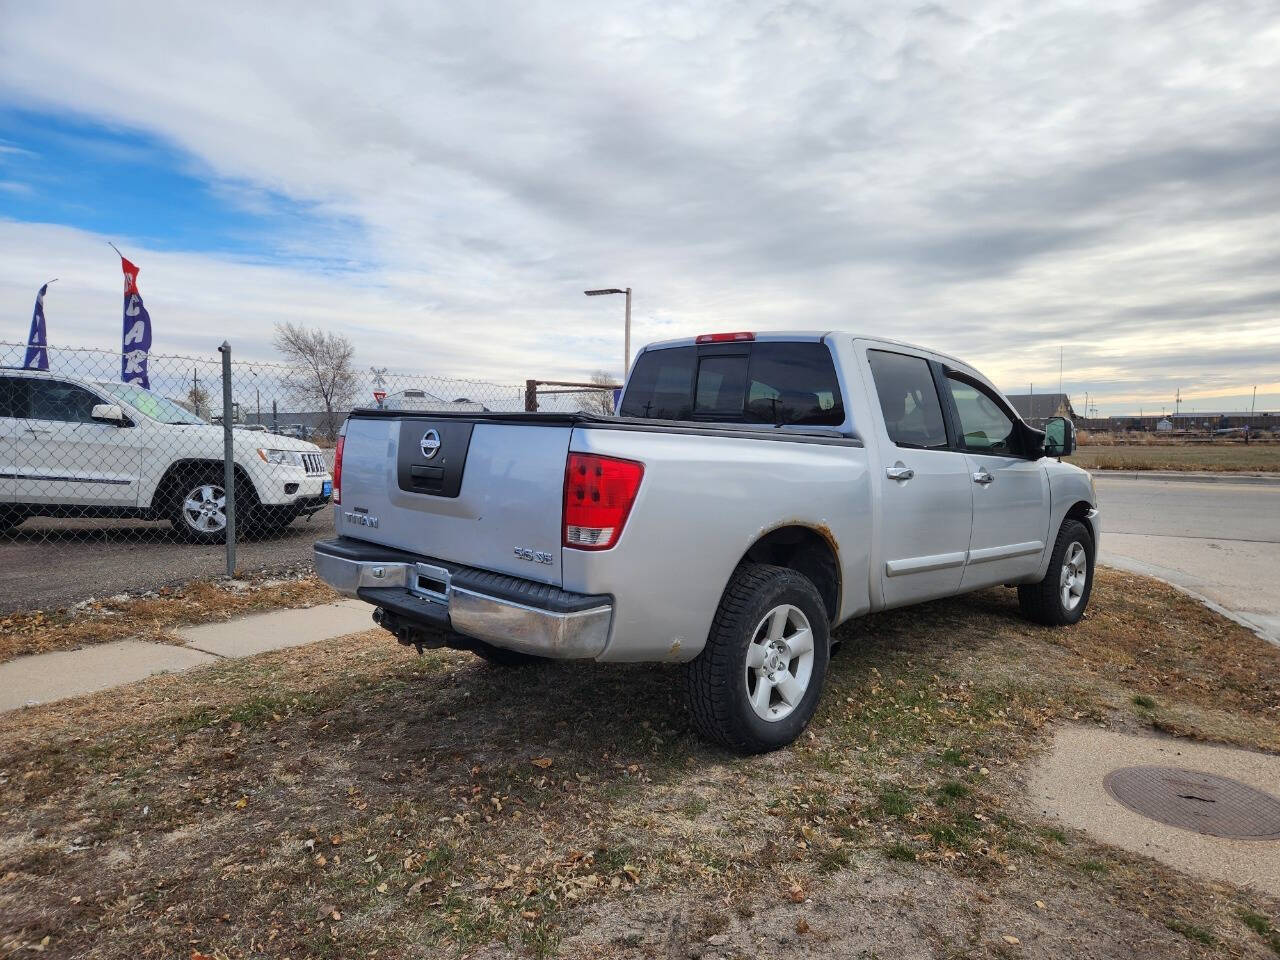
[984, 425]
[908, 400]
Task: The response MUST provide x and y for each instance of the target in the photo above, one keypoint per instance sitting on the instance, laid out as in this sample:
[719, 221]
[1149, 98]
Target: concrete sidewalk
[46, 677]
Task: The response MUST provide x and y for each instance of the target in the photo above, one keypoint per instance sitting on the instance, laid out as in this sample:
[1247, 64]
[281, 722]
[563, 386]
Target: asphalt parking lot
[55, 563]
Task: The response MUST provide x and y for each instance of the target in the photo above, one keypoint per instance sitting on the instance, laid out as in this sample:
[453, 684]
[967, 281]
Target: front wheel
[199, 510]
[1060, 598]
[756, 684]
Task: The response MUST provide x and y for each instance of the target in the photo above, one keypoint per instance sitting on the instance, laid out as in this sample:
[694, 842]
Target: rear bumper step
[505, 611]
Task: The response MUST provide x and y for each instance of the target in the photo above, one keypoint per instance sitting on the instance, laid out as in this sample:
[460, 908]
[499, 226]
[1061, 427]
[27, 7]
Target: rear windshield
[777, 383]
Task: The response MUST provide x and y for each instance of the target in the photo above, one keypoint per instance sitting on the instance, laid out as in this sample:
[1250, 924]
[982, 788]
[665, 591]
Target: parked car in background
[755, 491]
[71, 447]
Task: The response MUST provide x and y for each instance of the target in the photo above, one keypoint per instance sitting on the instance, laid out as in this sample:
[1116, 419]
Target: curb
[1188, 476]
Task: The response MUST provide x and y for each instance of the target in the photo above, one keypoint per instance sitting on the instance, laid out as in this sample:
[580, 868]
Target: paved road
[54, 563]
[1220, 541]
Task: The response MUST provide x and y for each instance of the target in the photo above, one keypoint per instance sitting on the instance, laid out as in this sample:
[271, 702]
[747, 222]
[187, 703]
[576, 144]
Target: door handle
[983, 477]
[900, 473]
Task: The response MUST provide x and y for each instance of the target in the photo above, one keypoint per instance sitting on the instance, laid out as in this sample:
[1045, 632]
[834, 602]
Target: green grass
[1191, 932]
[894, 803]
[899, 852]
[1143, 701]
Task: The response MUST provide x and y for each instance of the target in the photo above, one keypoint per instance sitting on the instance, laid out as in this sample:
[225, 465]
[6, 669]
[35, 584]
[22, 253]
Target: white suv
[71, 447]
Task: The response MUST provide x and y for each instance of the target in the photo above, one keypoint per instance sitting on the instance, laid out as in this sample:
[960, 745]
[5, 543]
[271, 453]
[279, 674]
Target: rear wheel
[1061, 597]
[757, 683]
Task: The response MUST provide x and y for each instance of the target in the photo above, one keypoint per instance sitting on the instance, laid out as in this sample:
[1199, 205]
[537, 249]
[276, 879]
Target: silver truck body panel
[510, 498]
[704, 502]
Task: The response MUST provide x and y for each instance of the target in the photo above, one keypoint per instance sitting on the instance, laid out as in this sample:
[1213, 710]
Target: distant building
[1035, 408]
[429, 403]
[1164, 425]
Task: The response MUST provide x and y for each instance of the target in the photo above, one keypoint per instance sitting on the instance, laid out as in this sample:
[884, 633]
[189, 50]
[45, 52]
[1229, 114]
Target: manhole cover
[1197, 801]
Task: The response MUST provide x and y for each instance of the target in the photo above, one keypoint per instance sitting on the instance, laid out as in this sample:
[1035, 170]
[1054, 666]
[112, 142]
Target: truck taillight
[740, 337]
[598, 494]
[337, 470]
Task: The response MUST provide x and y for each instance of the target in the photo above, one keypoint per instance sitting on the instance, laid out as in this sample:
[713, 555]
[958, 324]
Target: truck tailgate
[484, 494]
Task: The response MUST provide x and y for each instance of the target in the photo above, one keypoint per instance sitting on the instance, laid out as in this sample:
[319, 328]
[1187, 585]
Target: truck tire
[1060, 598]
[756, 684]
[502, 657]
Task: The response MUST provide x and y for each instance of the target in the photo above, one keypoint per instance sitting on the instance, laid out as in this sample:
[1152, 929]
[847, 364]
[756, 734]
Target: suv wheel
[757, 683]
[1060, 598]
[199, 511]
[10, 518]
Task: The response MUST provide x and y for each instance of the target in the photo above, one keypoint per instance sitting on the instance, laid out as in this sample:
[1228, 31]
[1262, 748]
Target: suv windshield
[150, 404]
[770, 382]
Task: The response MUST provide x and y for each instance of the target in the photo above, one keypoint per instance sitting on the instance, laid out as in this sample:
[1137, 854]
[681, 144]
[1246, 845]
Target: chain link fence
[87, 458]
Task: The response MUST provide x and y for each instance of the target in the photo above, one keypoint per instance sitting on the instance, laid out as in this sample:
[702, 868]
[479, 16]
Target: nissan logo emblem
[430, 444]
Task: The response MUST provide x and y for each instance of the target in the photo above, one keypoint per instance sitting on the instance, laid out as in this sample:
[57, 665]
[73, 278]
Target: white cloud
[993, 179]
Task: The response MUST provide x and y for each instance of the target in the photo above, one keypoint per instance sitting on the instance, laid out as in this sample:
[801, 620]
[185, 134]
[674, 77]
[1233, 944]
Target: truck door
[1010, 490]
[926, 492]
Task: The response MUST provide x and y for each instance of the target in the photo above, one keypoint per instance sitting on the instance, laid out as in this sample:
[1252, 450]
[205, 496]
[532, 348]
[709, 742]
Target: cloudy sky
[441, 181]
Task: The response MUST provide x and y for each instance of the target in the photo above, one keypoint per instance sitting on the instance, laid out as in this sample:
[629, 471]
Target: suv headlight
[281, 458]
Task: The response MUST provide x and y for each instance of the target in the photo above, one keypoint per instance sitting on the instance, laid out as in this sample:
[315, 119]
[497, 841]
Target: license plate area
[430, 581]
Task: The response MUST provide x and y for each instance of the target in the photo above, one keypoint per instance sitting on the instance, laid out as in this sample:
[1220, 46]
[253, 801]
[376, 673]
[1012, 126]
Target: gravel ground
[53, 563]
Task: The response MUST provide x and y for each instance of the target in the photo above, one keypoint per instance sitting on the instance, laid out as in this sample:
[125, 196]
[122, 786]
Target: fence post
[531, 396]
[275, 418]
[228, 458]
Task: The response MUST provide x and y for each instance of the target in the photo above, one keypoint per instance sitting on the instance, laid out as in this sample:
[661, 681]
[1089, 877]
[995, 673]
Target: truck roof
[811, 336]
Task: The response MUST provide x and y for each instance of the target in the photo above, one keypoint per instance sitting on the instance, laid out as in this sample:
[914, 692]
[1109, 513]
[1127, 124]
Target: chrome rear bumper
[502, 610]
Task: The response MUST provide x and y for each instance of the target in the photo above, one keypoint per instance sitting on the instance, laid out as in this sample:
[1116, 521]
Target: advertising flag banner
[37, 357]
[136, 343]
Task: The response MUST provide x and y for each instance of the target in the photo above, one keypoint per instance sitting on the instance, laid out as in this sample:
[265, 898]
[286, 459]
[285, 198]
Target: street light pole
[626, 356]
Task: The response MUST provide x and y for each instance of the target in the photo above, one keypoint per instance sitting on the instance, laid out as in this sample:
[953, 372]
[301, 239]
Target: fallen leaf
[1009, 939]
[242, 803]
[541, 762]
[1040, 904]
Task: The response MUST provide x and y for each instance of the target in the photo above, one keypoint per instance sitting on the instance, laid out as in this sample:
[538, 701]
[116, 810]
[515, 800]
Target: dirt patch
[347, 798]
[153, 615]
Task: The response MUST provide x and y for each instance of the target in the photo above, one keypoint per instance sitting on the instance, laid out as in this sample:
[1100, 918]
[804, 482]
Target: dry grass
[351, 799]
[1221, 457]
[151, 617]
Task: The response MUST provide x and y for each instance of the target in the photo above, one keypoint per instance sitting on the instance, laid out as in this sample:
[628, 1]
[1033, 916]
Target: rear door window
[61, 402]
[770, 382]
[908, 400]
[13, 397]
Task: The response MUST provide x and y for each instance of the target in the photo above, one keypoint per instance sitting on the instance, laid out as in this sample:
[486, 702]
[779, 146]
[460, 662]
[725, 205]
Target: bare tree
[323, 373]
[198, 400]
[600, 401]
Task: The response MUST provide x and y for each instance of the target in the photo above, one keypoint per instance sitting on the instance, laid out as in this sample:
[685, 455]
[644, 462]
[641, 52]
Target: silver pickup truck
[755, 491]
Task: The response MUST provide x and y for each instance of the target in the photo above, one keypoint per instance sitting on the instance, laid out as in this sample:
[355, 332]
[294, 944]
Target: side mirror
[1059, 437]
[108, 413]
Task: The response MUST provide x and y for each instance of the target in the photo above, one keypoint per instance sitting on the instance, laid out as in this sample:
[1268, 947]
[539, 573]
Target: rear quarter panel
[703, 502]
